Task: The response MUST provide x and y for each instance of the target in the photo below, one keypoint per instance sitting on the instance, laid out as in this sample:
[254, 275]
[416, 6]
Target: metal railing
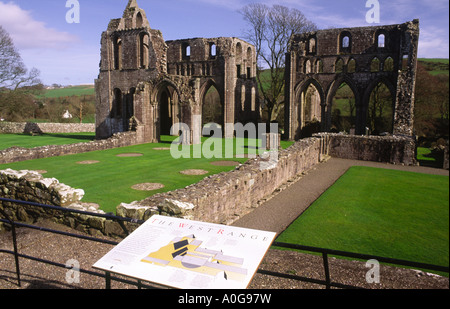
[325, 253]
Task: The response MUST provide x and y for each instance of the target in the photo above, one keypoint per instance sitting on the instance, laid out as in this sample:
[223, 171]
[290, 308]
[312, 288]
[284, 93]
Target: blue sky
[69, 54]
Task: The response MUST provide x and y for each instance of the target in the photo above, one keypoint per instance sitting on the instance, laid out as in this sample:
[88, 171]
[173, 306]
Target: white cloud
[433, 43]
[28, 33]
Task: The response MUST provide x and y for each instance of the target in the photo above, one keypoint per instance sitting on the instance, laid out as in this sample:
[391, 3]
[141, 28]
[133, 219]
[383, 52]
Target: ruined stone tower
[362, 58]
[148, 85]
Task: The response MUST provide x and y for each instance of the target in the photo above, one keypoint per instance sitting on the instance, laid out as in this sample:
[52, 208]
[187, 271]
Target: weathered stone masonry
[40, 128]
[17, 154]
[147, 84]
[360, 57]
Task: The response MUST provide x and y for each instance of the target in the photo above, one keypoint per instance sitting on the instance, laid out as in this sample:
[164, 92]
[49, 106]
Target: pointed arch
[379, 106]
[309, 108]
[143, 50]
[335, 114]
[212, 106]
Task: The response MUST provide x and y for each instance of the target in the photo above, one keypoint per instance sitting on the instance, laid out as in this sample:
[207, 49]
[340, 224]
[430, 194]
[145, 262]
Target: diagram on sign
[186, 253]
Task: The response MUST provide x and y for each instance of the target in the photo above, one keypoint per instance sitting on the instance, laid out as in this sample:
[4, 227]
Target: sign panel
[187, 254]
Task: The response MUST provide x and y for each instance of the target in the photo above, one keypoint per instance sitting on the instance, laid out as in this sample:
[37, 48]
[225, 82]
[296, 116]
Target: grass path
[28, 141]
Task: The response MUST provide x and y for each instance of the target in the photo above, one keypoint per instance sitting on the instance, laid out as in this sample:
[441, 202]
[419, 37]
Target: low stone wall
[40, 128]
[387, 149]
[30, 186]
[17, 154]
[221, 198]
[225, 197]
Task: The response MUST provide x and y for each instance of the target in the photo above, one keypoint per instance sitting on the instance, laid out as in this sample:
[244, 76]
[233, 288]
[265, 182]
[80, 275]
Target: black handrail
[324, 252]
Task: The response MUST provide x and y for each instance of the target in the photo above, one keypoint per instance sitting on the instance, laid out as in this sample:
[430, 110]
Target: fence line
[108, 277]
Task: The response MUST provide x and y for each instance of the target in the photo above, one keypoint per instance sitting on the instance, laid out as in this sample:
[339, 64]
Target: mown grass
[108, 183]
[29, 141]
[70, 91]
[380, 212]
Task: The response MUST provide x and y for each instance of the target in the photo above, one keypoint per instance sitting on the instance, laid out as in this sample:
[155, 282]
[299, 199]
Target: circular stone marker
[88, 162]
[161, 148]
[148, 186]
[194, 172]
[225, 163]
[128, 155]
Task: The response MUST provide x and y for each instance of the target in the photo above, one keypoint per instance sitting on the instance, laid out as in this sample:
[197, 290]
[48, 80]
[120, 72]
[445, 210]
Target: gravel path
[293, 198]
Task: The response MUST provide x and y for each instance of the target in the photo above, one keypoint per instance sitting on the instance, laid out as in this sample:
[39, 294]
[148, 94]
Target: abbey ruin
[361, 58]
[147, 84]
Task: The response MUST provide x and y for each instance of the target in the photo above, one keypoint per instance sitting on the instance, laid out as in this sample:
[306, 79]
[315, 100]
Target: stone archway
[212, 106]
[310, 110]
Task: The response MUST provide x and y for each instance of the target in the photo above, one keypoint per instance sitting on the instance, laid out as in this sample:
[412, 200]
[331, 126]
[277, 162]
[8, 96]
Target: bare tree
[13, 73]
[270, 30]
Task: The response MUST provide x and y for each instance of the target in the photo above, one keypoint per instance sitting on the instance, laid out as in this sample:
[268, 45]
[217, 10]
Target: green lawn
[28, 141]
[109, 182]
[70, 91]
[380, 212]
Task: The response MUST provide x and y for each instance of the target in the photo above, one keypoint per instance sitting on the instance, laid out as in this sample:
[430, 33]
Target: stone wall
[221, 198]
[225, 197]
[40, 128]
[17, 154]
[30, 186]
[387, 149]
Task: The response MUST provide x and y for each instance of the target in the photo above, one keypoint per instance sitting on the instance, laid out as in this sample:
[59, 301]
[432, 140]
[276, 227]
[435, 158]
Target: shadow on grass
[433, 159]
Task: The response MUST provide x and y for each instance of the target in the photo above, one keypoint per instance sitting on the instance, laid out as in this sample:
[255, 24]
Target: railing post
[108, 280]
[327, 270]
[16, 252]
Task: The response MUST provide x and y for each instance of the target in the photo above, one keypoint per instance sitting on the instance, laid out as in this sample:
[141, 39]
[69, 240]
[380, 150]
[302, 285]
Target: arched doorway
[380, 111]
[212, 109]
[343, 109]
[165, 117]
[310, 111]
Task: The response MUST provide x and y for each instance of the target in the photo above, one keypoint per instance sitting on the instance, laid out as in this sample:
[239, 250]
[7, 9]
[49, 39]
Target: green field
[109, 182]
[70, 91]
[28, 141]
[380, 212]
[436, 66]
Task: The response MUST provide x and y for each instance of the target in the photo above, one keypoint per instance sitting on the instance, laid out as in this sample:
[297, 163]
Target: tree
[270, 30]
[17, 84]
[431, 111]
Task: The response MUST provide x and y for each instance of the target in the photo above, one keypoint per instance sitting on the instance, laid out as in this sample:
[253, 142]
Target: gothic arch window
[388, 65]
[351, 66]
[117, 44]
[139, 20]
[319, 66]
[307, 67]
[345, 42]
[381, 40]
[249, 62]
[375, 65]
[143, 51]
[212, 50]
[339, 66]
[186, 51]
[238, 52]
[312, 45]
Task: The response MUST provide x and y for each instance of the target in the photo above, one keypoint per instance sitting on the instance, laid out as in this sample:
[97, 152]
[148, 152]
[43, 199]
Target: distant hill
[435, 66]
[70, 91]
